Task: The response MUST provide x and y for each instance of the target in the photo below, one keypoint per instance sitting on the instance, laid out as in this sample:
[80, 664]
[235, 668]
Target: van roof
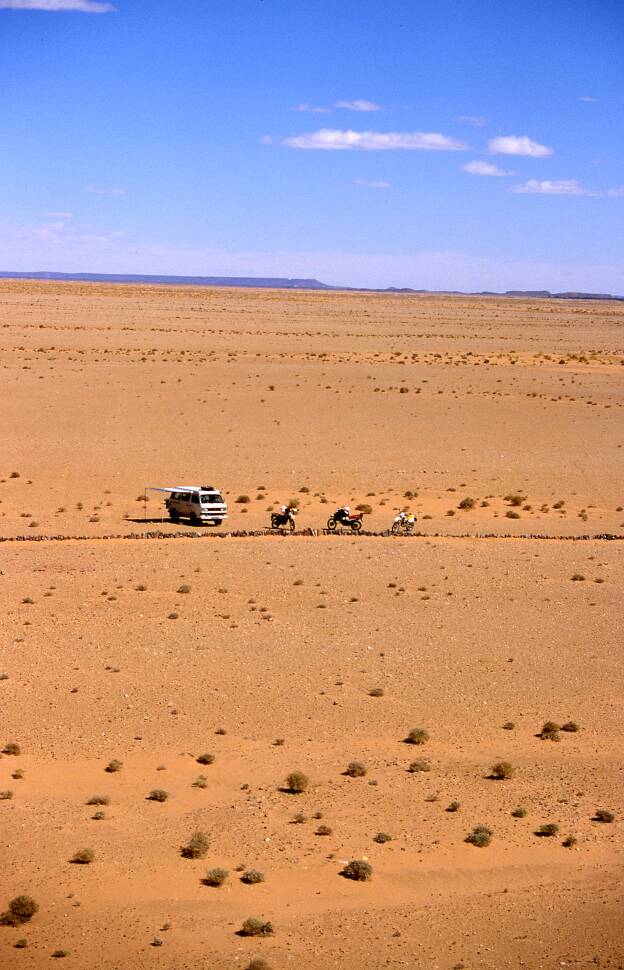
[184, 488]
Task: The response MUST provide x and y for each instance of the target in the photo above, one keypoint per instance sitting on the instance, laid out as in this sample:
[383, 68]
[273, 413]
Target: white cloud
[517, 145]
[484, 168]
[547, 187]
[100, 191]
[82, 6]
[312, 109]
[477, 120]
[588, 99]
[372, 183]
[616, 193]
[59, 215]
[332, 139]
[357, 105]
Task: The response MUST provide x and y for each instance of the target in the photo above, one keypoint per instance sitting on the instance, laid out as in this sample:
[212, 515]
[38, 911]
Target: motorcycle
[284, 520]
[351, 520]
[403, 522]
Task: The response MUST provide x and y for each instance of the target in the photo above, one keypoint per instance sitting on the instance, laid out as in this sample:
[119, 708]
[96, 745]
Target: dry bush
[98, 800]
[200, 782]
[550, 731]
[571, 726]
[21, 910]
[417, 736]
[258, 964]
[205, 759]
[358, 869]
[467, 503]
[196, 847]
[508, 726]
[252, 876]
[376, 692]
[12, 747]
[256, 927]
[453, 807]
[323, 830]
[480, 836]
[569, 841]
[215, 877]
[547, 830]
[355, 769]
[158, 795]
[502, 770]
[114, 766]
[382, 837]
[243, 500]
[297, 782]
[519, 812]
[419, 765]
[363, 507]
[6, 795]
[184, 588]
[83, 857]
[604, 815]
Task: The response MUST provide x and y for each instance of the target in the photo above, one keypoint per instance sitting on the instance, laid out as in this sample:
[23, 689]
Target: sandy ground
[264, 651]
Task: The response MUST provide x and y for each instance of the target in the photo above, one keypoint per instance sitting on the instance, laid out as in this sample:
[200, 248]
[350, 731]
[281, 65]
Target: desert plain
[127, 639]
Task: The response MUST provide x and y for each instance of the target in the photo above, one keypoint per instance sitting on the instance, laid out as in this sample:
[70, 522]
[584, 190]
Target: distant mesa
[286, 283]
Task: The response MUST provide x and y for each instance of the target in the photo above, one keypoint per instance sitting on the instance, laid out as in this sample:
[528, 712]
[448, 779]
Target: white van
[202, 504]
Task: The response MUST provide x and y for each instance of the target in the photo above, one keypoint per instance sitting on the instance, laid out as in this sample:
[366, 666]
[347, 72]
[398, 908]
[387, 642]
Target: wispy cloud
[485, 168]
[517, 145]
[59, 215]
[372, 183]
[81, 6]
[105, 191]
[478, 121]
[358, 105]
[587, 98]
[312, 109]
[548, 187]
[333, 139]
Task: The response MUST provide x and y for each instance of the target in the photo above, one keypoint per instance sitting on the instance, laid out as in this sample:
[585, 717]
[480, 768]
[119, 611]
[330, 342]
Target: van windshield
[212, 499]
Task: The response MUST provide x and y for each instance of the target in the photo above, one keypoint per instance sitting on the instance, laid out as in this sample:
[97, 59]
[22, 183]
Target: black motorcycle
[284, 520]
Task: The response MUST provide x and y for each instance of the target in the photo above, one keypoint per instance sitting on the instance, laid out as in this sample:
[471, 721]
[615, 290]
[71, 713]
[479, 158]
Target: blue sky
[459, 145]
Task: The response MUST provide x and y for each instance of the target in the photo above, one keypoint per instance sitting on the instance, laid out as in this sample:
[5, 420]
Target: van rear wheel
[174, 515]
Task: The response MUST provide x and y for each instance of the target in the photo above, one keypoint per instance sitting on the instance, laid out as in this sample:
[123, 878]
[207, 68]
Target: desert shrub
[173, 616]
[515, 499]
[297, 782]
[205, 759]
[279, 742]
[221, 731]
[243, 500]
[419, 765]
[21, 910]
[376, 692]
[358, 869]
[467, 503]
[317, 815]
[366, 509]
[59, 954]
[323, 830]
[570, 726]
[256, 927]
[98, 816]
[114, 766]
[417, 736]
[200, 782]
[98, 800]
[480, 836]
[83, 857]
[299, 819]
[559, 504]
[215, 877]
[548, 830]
[258, 964]
[158, 795]
[453, 807]
[382, 837]
[4, 675]
[184, 588]
[508, 726]
[519, 812]
[196, 847]
[550, 731]
[21, 944]
[6, 795]
[502, 770]
[18, 774]
[12, 747]
[510, 514]
[604, 815]
[355, 769]
[251, 877]
[578, 578]
[569, 841]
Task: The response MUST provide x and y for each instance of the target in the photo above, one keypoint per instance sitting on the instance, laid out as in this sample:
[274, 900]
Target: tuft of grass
[98, 816]
[365, 508]
[578, 578]
[417, 736]
[184, 588]
[323, 830]
[243, 500]
[453, 807]
[569, 841]
[158, 795]
[355, 769]
[519, 812]
[98, 800]
[205, 759]
[59, 954]
[508, 726]
[419, 765]
[571, 726]
[299, 819]
[604, 815]
[467, 503]
[548, 830]
[114, 766]
[481, 836]
[515, 499]
[21, 944]
[12, 747]
[196, 847]
[376, 692]
[502, 770]
[83, 857]
[18, 774]
[297, 782]
[382, 837]
[200, 782]
[510, 514]
[6, 795]
[550, 731]
[215, 877]
[358, 870]
[258, 964]
[256, 927]
[21, 910]
[251, 877]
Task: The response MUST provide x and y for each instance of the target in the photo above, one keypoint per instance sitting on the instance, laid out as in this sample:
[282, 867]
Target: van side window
[195, 498]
